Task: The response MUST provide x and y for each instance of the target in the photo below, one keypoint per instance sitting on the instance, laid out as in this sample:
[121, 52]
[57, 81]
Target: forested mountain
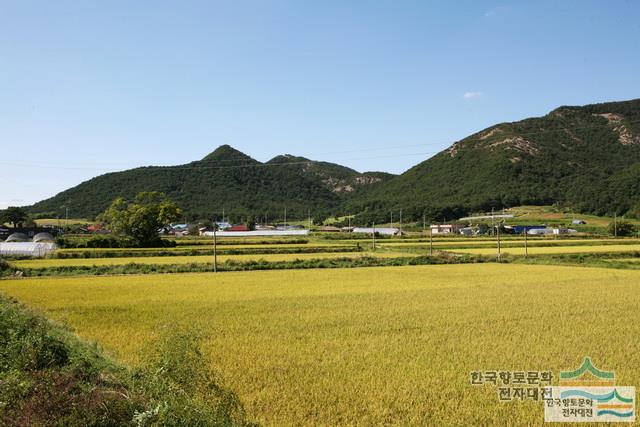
[225, 179]
[587, 158]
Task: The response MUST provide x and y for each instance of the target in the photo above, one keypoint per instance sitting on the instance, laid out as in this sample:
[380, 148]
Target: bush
[622, 229]
[5, 267]
[110, 241]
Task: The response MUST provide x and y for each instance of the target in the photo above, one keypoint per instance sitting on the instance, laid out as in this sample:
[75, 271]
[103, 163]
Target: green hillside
[583, 158]
[225, 179]
[587, 158]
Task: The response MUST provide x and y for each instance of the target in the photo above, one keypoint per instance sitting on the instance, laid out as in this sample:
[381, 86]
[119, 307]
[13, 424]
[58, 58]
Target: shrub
[110, 241]
[622, 228]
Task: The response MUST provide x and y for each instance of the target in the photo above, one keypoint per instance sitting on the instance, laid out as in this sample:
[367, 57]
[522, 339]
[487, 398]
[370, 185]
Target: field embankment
[48, 376]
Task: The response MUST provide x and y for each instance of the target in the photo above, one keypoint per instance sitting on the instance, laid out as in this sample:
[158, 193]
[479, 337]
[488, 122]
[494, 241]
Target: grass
[55, 222]
[547, 214]
[366, 346]
[50, 377]
[233, 265]
[164, 260]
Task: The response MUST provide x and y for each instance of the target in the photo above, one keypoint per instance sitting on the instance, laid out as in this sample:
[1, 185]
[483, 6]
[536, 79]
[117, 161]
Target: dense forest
[225, 180]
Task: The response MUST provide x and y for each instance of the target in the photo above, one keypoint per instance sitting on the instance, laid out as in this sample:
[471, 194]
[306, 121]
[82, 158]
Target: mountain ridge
[586, 157]
[575, 156]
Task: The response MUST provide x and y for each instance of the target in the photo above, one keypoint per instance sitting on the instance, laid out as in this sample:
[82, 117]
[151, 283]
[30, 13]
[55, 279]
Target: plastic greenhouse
[32, 249]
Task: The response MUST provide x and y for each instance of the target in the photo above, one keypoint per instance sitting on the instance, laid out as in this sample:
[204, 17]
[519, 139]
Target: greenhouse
[43, 237]
[31, 249]
[18, 237]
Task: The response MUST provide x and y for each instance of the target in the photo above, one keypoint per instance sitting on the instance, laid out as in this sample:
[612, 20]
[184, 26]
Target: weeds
[49, 377]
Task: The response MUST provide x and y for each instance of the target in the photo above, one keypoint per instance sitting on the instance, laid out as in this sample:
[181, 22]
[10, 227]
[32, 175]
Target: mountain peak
[226, 153]
[287, 158]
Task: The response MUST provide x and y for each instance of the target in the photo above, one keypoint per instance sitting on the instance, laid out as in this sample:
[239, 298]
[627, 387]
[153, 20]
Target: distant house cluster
[226, 229]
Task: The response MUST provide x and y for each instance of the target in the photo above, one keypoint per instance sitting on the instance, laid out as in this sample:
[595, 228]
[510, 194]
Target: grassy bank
[48, 376]
[382, 260]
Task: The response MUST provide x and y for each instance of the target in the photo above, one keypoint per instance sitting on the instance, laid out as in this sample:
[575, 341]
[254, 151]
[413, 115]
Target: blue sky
[88, 87]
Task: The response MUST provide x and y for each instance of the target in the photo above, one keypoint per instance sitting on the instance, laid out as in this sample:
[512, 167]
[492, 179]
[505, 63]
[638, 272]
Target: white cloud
[472, 95]
[497, 11]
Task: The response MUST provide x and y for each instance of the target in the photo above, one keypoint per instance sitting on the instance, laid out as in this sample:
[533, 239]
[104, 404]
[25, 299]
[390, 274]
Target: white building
[385, 231]
[446, 228]
[254, 233]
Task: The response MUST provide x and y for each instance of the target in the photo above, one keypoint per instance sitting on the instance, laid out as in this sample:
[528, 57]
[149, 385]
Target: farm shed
[238, 227]
[519, 229]
[540, 231]
[255, 233]
[446, 228]
[386, 231]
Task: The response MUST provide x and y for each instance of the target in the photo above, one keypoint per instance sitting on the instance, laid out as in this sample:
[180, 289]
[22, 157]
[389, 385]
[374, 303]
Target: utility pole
[498, 234]
[285, 216]
[349, 222]
[424, 224]
[401, 222]
[526, 249]
[373, 235]
[309, 216]
[493, 225]
[430, 241]
[391, 219]
[215, 248]
[66, 217]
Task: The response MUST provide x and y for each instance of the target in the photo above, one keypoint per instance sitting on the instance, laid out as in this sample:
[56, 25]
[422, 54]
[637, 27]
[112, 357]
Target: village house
[446, 228]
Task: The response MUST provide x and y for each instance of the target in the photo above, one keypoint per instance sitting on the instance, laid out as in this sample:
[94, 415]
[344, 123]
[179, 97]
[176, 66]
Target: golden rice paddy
[366, 346]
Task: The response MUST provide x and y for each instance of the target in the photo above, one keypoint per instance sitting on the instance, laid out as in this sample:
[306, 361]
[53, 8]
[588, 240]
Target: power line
[199, 167]
[254, 163]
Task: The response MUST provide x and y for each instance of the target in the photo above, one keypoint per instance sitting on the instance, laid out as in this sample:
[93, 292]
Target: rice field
[551, 250]
[548, 241]
[198, 259]
[209, 247]
[367, 346]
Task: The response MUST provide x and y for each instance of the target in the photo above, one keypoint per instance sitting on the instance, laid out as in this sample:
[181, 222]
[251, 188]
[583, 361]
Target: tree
[251, 223]
[622, 229]
[142, 218]
[14, 215]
